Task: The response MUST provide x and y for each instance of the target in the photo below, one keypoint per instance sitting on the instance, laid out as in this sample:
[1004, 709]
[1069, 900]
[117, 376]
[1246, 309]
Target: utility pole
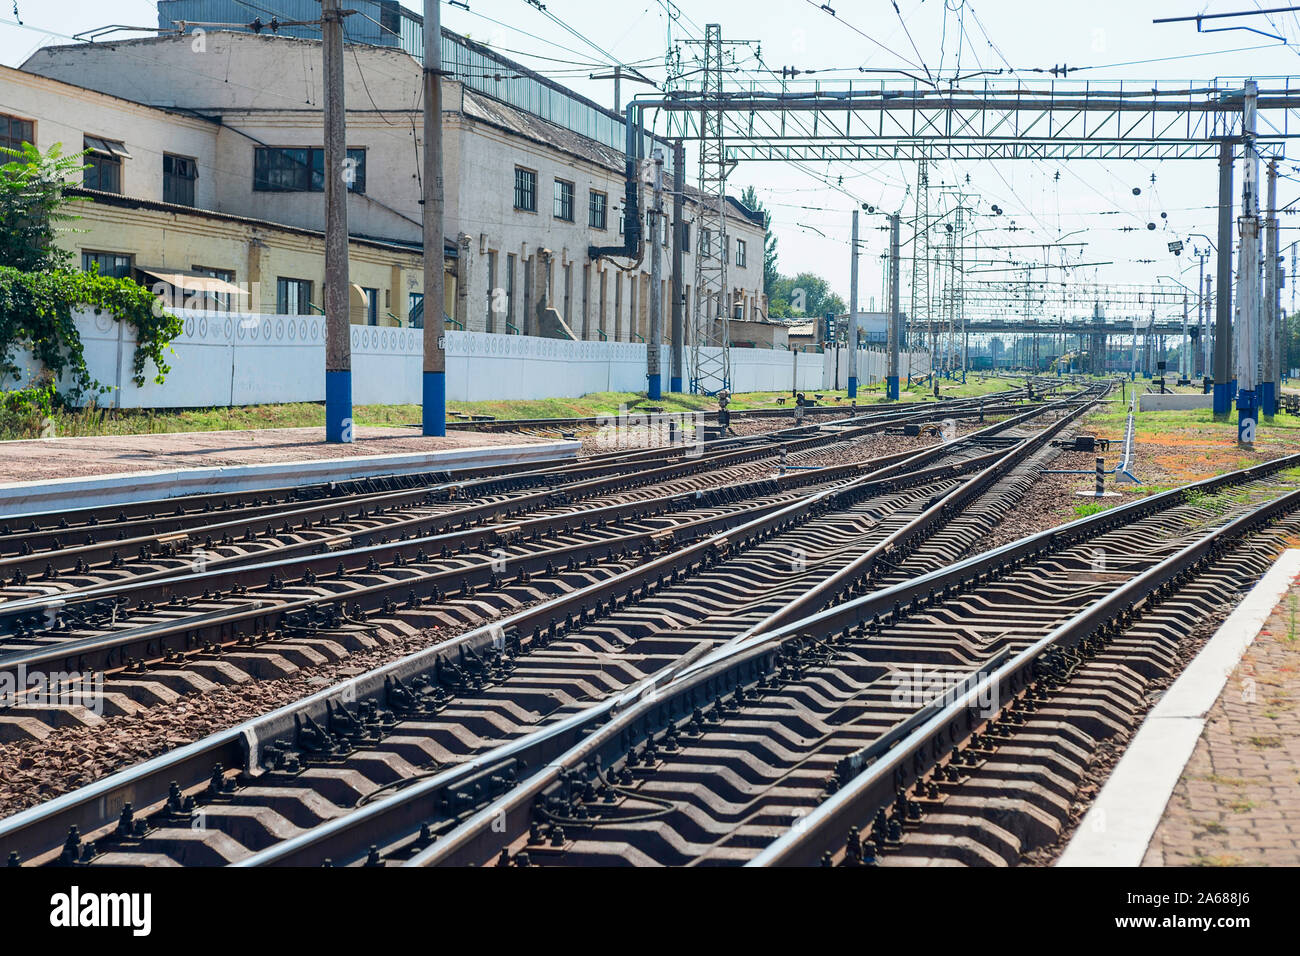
[895, 313]
[679, 192]
[1185, 353]
[1201, 364]
[617, 74]
[959, 284]
[1270, 387]
[654, 377]
[1133, 372]
[1208, 345]
[1248, 277]
[435, 358]
[338, 324]
[1223, 307]
[921, 302]
[853, 311]
[1279, 355]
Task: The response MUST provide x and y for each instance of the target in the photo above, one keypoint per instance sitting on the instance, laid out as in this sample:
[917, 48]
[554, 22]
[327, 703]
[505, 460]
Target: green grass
[98, 421]
[1091, 508]
[973, 387]
[1166, 421]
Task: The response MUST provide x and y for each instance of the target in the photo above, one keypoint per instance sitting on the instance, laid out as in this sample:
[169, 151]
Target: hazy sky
[1045, 200]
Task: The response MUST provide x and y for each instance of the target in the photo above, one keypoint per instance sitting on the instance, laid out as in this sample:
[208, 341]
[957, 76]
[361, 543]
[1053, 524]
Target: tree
[770, 276]
[32, 205]
[39, 291]
[806, 294]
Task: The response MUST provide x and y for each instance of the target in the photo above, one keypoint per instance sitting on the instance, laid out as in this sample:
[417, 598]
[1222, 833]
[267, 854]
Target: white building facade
[232, 122]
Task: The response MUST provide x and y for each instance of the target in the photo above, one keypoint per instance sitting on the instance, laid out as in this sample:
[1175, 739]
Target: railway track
[556, 427]
[943, 719]
[116, 617]
[47, 553]
[603, 629]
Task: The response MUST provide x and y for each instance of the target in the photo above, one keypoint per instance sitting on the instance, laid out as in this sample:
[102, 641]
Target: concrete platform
[1213, 775]
[55, 473]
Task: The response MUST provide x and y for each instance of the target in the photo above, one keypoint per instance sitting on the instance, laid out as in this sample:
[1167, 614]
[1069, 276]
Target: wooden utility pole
[435, 357]
[338, 325]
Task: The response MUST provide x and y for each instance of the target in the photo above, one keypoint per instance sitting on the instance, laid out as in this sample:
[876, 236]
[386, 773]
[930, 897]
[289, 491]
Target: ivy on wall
[39, 290]
[36, 313]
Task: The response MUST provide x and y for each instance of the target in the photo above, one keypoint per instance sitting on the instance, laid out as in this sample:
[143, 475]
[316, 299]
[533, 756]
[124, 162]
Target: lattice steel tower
[921, 317]
[710, 320]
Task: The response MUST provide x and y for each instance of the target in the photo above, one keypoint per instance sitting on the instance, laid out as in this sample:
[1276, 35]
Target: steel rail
[91, 808]
[654, 703]
[919, 752]
[146, 786]
[63, 559]
[347, 544]
[117, 648]
[332, 836]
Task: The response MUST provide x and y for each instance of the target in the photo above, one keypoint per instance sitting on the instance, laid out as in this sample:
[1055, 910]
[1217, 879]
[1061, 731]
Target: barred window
[597, 209]
[564, 200]
[525, 189]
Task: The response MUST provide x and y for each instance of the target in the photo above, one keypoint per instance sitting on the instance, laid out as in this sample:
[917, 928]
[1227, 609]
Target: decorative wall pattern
[226, 358]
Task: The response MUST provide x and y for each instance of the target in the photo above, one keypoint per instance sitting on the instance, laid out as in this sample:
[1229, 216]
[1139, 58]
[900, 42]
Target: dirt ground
[45, 458]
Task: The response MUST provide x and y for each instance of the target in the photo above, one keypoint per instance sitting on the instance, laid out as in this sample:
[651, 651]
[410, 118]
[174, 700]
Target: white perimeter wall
[225, 359]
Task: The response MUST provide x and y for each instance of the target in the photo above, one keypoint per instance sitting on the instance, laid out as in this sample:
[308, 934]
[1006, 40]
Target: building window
[14, 132]
[564, 200]
[355, 174]
[706, 242]
[179, 173]
[686, 237]
[112, 264]
[415, 309]
[292, 296]
[291, 169]
[372, 306]
[216, 300]
[525, 189]
[104, 164]
[622, 222]
[597, 210]
[740, 252]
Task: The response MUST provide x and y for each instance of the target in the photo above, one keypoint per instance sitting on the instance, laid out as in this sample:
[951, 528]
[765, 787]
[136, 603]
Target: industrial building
[205, 155]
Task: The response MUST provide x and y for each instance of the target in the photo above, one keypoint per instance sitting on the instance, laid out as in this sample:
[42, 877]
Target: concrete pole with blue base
[338, 325]
[1223, 304]
[853, 310]
[434, 390]
[895, 315]
[655, 224]
[675, 285]
[1270, 386]
[1248, 278]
